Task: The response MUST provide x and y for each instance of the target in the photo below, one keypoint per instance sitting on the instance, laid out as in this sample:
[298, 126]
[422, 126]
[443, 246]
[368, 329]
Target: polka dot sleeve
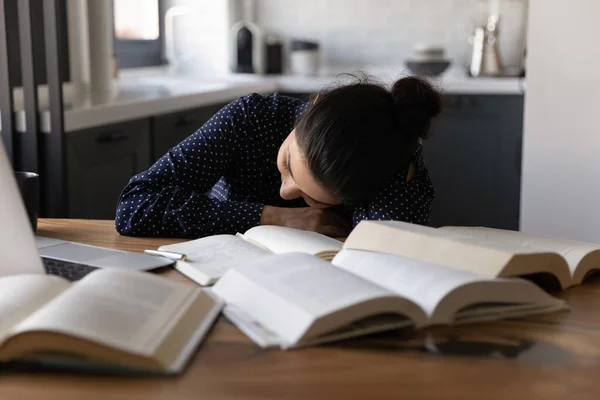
[218, 179]
[400, 200]
[171, 198]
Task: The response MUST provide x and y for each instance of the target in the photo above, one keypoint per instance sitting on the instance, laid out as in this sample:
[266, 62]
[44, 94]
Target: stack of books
[290, 288]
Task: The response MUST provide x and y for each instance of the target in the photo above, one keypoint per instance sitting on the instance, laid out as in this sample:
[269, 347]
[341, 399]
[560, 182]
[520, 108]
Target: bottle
[485, 54]
[274, 55]
[247, 44]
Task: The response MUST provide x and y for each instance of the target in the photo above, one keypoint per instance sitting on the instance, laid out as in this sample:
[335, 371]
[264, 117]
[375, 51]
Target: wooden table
[551, 356]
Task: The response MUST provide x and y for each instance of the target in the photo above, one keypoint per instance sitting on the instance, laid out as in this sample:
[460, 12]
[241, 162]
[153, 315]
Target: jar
[304, 58]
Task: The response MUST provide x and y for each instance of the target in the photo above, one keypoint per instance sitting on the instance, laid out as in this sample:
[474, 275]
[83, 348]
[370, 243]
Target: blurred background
[100, 89]
[350, 34]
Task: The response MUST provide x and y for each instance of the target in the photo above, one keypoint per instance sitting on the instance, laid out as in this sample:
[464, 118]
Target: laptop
[22, 253]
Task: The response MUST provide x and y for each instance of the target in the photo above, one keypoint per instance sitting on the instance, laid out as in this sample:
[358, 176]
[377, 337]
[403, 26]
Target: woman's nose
[289, 190]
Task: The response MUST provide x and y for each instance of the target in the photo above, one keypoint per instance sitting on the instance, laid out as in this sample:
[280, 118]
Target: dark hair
[356, 137]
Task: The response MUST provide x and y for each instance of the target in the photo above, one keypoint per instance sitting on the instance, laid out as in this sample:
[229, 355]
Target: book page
[423, 283]
[287, 240]
[311, 284]
[255, 331]
[127, 310]
[452, 249]
[212, 250]
[420, 232]
[287, 293]
[265, 338]
[572, 251]
[212, 256]
[445, 293]
[22, 295]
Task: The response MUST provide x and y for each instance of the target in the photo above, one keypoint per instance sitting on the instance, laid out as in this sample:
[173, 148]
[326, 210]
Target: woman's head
[354, 138]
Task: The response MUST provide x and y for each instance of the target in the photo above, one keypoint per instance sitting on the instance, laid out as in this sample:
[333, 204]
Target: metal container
[485, 55]
[274, 55]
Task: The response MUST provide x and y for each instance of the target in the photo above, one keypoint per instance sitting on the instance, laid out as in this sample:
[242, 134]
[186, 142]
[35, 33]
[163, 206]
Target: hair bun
[416, 103]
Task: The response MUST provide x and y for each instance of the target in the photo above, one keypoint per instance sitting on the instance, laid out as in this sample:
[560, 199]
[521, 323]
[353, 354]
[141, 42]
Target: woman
[353, 153]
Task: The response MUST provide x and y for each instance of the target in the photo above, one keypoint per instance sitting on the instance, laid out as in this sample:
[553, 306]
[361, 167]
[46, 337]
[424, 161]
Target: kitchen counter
[452, 84]
[152, 92]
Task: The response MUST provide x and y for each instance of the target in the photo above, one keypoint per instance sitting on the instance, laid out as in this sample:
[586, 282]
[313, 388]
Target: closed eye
[286, 164]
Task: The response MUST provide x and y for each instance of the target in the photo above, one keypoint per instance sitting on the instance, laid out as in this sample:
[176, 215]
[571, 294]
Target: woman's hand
[307, 218]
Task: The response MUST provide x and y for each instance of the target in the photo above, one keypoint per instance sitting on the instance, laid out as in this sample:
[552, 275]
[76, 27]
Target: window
[138, 27]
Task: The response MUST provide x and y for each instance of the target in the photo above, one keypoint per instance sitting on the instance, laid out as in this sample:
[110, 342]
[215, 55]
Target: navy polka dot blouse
[218, 179]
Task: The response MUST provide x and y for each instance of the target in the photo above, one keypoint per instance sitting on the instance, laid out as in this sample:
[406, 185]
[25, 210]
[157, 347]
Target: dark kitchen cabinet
[473, 157]
[170, 129]
[474, 161]
[100, 162]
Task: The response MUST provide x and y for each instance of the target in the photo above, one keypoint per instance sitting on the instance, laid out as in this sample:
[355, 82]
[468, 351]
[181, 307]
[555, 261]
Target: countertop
[150, 92]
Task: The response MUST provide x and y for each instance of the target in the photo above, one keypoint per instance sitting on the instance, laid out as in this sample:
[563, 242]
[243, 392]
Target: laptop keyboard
[69, 270]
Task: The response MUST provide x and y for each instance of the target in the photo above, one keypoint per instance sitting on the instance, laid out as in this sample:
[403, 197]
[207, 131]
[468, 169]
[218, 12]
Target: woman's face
[296, 178]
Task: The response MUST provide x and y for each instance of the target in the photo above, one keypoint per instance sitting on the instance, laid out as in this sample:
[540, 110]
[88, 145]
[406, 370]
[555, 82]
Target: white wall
[201, 36]
[561, 149]
[357, 33]
[353, 33]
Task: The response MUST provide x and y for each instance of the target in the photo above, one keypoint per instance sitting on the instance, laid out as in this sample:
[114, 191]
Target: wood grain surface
[547, 357]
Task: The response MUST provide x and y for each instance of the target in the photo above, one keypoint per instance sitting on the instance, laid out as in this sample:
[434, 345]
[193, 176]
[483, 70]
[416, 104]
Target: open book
[110, 320]
[485, 251]
[581, 258]
[295, 299]
[207, 259]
